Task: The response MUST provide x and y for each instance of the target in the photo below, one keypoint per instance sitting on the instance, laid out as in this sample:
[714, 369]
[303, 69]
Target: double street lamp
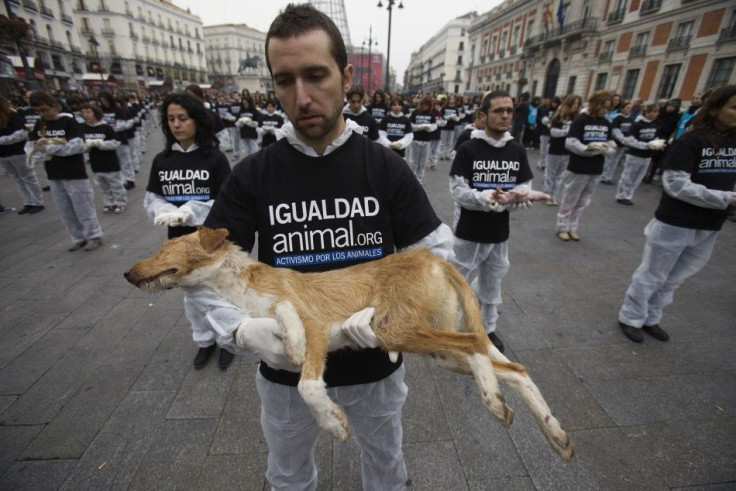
[390, 8]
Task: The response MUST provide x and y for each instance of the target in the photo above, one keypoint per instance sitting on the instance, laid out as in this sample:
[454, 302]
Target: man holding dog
[322, 197]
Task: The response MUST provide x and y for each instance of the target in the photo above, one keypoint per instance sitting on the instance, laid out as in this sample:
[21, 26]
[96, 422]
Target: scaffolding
[335, 10]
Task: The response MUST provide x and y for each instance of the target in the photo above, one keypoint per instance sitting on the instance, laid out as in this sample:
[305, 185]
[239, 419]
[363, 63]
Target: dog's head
[173, 264]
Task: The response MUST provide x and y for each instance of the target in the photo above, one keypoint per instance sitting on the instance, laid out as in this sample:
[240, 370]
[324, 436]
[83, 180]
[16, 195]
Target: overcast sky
[412, 26]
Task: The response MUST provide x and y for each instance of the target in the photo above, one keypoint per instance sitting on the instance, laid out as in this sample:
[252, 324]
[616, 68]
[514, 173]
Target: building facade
[440, 64]
[236, 58]
[52, 46]
[648, 49]
[141, 43]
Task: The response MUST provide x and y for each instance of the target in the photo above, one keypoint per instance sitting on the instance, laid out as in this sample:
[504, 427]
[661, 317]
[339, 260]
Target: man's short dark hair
[486, 102]
[298, 19]
[356, 90]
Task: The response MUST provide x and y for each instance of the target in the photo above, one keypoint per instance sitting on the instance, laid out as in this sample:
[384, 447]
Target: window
[630, 84]
[529, 28]
[515, 39]
[669, 79]
[58, 65]
[600, 81]
[459, 60]
[684, 29]
[50, 32]
[460, 46]
[721, 74]
[608, 47]
[642, 39]
[571, 84]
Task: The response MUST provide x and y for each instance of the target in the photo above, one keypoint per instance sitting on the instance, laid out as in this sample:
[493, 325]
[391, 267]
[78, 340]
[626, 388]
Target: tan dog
[421, 302]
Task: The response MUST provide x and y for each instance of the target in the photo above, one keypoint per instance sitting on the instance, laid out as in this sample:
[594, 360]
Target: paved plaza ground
[98, 391]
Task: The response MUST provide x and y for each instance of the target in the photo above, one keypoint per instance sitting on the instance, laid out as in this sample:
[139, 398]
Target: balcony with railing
[650, 6]
[47, 12]
[134, 36]
[605, 56]
[107, 31]
[640, 50]
[502, 53]
[681, 42]
[727, 34]
[575, 28]
[76, 49]
[56, 44]
[30, 5]
[616, 17]
[67, 19]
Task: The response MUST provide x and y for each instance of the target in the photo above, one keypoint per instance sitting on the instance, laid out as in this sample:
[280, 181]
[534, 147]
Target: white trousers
[611, 162]
[111, 185]
[491, 261]
[374, 414]
[671, 255]
[553, 172]
[635, 168]
[434, 152]
[234, 133]
[447, 141]
[577, 191]
[74, 199]
[126, 163]
[248, 146]
[25, 179]
[418, 157]
[543, 151]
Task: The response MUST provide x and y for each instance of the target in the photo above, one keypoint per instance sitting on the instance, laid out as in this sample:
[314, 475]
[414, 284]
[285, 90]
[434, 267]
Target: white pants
[492, 263]
[248, 146]
[374, 414]
[74, 199]
[25, 179]
[671, 255]
[543, 151]
[126, 162]
[418, 157]
[434, 152]
[447, 140]
[234, 134]
[111, 184]
[577, 191]
[611, 162]
[635, 168]
[553, 173]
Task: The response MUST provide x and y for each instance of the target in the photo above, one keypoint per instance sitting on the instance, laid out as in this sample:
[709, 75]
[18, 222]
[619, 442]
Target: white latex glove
[262, 336]
[358, 328]
[607, 149]
[595, 146]
[494, 206]
[94, 143]
[395, 144]
[245, 120]
[173, 218]
[657, 144]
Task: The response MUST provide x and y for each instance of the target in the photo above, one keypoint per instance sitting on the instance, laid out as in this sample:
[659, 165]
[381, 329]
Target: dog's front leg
[312, 386]
[295, 341]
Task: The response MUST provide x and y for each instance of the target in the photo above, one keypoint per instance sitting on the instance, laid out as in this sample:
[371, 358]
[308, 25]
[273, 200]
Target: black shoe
[129, 185]
[496, 341]
[631, 332]
[36, 209]
[607, 182]
[226, 358]
[77, 245]
[46, 188]
[203, 356]
[25, 209]
[657, 332]
[624, 201]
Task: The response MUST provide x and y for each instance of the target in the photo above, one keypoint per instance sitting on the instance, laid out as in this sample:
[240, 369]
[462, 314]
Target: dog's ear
[212, 239]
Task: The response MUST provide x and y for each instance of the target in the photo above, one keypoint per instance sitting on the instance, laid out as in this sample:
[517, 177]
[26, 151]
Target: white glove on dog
[173, 218]
[262, 336]
[358, 328]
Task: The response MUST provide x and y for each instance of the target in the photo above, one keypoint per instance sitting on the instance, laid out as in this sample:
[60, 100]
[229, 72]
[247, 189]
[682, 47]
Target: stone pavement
[97, 388]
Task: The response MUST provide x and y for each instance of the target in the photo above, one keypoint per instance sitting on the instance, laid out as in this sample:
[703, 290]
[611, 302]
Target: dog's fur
[421, 302]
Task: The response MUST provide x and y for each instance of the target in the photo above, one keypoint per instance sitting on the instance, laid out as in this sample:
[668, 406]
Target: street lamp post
[371, 42]
[390, 8]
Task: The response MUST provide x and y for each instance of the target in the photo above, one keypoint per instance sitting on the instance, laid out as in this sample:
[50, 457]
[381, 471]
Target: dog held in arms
[422, 305]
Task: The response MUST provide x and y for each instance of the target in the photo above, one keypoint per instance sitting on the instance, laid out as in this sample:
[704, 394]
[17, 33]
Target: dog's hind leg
[295, 339]
[329, 416]
[515, 376]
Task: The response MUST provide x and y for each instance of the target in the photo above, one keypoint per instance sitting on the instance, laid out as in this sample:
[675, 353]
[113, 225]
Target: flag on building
[561, 14]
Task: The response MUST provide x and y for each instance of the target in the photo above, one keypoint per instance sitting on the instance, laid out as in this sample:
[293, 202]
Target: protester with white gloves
[490, 160]
[698, 182]
[423, 123]
[184, 180]
[558, 156]
[247, 124]
[394, 130]
[100, 143]
[56, 142]
[318, 164]
[588, 141]
[642, 142]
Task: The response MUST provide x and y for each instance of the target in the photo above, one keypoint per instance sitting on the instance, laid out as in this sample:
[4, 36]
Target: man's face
[697, 100]
[499, 115]
[355, 102]
[310, 86]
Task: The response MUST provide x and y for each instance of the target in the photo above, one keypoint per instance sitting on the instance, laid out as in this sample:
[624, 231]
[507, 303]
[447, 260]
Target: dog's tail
[466, 297]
